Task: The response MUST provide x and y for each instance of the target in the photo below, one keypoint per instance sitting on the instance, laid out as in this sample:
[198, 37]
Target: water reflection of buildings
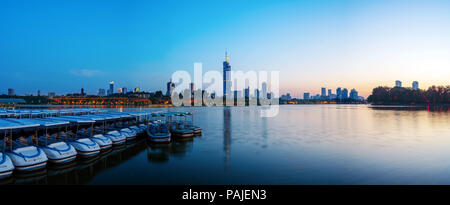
[226, 134]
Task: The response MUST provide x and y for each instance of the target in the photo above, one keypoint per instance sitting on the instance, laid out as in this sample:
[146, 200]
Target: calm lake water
[304, 144]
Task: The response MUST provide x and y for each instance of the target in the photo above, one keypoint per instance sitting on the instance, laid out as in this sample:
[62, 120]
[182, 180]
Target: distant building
[354, 94]
[51, 95]
[226, 79]
[124, 90]
[82, 92]
[136, 90]
[316, 97]
[192, 89]
[286, 97]
[10, 91]
[415, 85]
[101, 92]
[39, 93]
[256, 94]
[339, 93]
[111, 88]
[324, 92]
[264, 90]
[247, 92]
[170, 88]
[119, 90]
[306, 96]
[329, 93]
[344, 93]
[398, 83]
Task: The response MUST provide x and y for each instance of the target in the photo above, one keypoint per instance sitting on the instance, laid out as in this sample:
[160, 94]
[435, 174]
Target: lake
[303, 144]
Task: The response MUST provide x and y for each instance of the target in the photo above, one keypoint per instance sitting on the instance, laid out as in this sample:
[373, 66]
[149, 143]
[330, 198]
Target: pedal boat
[24, 156]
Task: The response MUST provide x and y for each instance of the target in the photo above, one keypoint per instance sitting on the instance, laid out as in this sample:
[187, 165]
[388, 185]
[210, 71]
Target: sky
[63, 46]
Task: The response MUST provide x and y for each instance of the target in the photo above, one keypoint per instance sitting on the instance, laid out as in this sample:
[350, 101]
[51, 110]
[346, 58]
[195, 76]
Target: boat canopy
[7, 124]
[42, 122]
[73, 119]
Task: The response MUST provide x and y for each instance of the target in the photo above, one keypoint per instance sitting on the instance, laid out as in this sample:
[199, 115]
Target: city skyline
[61, 47]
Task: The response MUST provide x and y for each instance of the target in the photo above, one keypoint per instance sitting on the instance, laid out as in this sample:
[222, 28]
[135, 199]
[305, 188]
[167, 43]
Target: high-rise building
[415, 85]
[39, 92]
[101, 92]
[323, 93]
[10, 91]
[136, 90]
[82, 92]
[247, 92]
[329, 93]
[170, 88]
[354, 94]
[264, 90]
[192, 88]
[398, 83]
[226, 79]
[344, 93]
[339, 93]
[111, 88]
[124, 90]
[306, 96]
[119, 90]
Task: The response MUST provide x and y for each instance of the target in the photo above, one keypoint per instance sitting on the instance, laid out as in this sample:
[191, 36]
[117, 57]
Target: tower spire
[226, 56]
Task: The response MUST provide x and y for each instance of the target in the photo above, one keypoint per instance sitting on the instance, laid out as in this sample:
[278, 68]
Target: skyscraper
[323, 93]
[39, 93]
[170, 87]
[338, 93]
[82, 92]
[329, 93]
[264, 90]
[415, 85]
[344, 93]
[354, 94]
[226, 79]
[111, 88]
[398, 83]
[124, 90]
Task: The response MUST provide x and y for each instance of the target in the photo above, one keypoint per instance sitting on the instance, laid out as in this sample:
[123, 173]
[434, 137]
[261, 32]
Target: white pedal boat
[6, 166]
[29, 158]
[116, 137]
[57, 150]
[130, 134]
[85, 147]
[103, 141]
[23, 157]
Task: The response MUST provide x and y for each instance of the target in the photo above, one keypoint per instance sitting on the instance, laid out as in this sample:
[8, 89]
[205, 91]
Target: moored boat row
[27, 144]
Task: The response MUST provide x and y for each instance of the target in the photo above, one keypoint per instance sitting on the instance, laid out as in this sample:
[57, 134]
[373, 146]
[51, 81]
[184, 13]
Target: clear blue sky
[61, 46]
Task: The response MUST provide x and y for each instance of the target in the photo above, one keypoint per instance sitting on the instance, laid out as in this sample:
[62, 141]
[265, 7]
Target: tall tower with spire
[226, 79]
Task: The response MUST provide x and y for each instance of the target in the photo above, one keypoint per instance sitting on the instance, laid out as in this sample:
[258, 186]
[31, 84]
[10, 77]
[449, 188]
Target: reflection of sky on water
[305, 144]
